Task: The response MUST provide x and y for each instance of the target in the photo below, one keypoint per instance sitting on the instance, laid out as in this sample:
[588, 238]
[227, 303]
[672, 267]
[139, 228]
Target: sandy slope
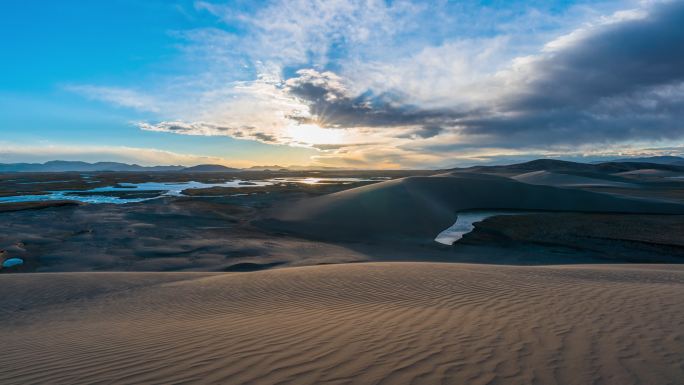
[566, 180]
[391, 323]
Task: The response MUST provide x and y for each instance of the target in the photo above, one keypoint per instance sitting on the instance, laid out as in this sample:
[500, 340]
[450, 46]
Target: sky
[354, 84]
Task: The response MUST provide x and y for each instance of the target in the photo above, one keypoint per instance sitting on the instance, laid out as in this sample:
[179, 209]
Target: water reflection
[108, 193]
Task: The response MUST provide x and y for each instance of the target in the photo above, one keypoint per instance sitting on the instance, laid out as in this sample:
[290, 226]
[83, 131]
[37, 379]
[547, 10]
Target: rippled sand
[376, 323]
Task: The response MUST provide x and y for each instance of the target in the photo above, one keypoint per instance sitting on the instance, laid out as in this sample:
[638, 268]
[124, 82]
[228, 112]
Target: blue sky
[53, 45]
[367, 84]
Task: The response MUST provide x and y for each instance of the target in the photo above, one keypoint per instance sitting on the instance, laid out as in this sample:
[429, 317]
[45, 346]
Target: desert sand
[375, 323]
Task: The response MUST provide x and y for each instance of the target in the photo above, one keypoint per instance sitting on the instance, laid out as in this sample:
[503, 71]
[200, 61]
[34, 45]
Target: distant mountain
[562, 166]
[673, 160]
[318, 168]
[267, 168]
[210, 168]
[76, 166]
[294, 168]
[537, 165]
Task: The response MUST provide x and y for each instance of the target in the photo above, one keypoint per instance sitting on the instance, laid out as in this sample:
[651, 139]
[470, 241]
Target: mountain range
[63, 165]
[78, 166]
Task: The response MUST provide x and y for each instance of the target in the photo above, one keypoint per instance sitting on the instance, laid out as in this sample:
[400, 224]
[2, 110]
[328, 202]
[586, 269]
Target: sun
[313, 134]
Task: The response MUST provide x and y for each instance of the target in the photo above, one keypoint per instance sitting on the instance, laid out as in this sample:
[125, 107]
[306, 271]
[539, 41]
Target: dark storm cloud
[622, 58]
[623, 81]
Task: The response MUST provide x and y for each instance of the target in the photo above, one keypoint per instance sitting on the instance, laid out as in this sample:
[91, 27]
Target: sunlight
[312, 134]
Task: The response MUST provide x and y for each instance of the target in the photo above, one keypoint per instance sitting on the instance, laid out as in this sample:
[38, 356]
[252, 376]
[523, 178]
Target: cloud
[14, 153]
[208, 129]
[619, 80]
[616, 81]
[302, 32]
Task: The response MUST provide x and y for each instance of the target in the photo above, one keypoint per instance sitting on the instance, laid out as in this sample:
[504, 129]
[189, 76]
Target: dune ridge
[559, 179]
[376, 323]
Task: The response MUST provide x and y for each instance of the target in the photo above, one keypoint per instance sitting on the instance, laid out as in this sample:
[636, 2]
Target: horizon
[652, 159]
[348, 84]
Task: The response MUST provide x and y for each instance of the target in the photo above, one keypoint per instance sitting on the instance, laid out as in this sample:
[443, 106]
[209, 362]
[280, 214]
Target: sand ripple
[390, 323]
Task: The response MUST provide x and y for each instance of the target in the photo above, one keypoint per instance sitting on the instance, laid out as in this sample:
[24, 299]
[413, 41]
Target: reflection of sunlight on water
[464, 225]
[176, 188]
[47, 182]
[310, 181]
[166, 189]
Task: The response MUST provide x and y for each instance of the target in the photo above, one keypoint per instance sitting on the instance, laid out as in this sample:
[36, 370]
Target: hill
[210, 168]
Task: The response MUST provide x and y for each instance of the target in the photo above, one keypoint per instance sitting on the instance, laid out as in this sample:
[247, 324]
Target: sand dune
[421, 207]
[391, 323]
[649, 173]
[565, 180]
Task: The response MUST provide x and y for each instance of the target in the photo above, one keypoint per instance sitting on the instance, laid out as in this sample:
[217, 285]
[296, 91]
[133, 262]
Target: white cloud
[123, 97]
[303, 31]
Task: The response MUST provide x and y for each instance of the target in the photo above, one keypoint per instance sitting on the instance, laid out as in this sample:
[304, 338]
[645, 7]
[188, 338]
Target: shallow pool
[176, 188]
[465, 224]
[12, 262]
